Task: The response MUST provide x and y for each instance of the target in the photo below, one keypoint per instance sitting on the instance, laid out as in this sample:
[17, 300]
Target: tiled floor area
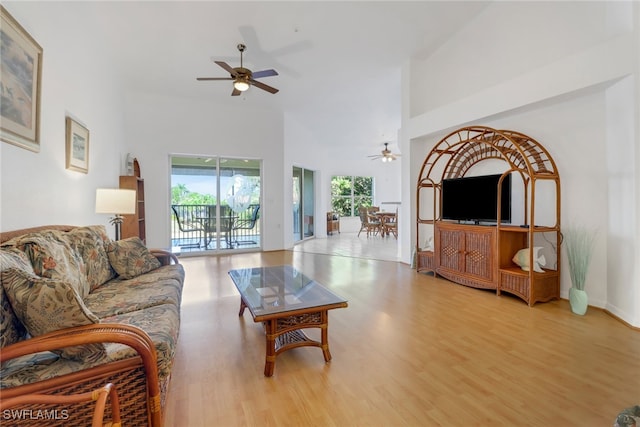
[350, 245]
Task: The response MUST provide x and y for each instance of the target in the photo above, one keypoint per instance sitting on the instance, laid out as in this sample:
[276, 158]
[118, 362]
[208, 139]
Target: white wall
[79, 80]
[157, 126]
[506, 41]
[622, 180]
[571, 85]
[76, 81]
[303, 149]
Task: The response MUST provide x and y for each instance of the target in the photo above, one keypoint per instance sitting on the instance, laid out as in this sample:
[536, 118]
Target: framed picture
[77, 146]
[20, 82]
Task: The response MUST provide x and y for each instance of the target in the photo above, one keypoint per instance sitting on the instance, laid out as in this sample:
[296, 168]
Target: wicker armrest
[165, 257]
[131, 336]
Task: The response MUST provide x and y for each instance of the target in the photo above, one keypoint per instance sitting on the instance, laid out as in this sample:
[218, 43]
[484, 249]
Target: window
[350, 192]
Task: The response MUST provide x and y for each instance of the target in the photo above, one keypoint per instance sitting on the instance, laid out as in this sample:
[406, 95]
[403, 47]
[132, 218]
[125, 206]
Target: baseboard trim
[624, 322]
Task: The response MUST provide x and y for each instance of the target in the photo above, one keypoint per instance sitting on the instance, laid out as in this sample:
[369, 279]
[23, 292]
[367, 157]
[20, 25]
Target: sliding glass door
[303, 204]
[215, 203]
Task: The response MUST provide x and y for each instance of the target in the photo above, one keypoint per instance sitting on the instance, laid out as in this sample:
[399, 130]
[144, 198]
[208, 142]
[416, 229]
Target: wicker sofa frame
[139, 389]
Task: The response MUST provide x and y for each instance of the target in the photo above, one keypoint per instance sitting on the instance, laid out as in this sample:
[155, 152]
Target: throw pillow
[89, 242]
[131, 258]
[53, 257]
[12, 257]
[522, 259]
[45, 305]
[12, 328]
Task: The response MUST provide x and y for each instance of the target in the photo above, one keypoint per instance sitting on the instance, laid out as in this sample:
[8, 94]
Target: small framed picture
[20, 81]
[77, 146]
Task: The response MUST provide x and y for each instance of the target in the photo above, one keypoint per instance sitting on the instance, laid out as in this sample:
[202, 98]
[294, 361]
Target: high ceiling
[338, 62]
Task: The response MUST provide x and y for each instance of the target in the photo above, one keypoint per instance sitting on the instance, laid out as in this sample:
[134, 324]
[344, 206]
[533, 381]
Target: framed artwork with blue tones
[20, 84]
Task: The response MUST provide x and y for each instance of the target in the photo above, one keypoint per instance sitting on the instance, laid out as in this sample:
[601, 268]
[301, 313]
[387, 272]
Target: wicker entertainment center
[481, 255]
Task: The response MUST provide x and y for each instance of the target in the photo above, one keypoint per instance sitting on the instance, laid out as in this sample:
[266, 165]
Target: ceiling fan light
[241, 85]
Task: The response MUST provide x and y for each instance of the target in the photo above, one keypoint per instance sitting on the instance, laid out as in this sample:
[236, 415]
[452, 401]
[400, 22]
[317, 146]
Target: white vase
[578, 300]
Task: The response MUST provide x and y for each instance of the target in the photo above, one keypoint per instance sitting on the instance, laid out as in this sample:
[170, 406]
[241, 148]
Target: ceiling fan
[243, 77]
[387, 155]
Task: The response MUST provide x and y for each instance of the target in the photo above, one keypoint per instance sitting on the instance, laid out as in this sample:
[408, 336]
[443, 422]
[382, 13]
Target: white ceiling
[338, 62]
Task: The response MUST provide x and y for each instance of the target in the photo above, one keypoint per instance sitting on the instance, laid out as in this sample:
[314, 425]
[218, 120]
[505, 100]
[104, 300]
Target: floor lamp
[118, 202]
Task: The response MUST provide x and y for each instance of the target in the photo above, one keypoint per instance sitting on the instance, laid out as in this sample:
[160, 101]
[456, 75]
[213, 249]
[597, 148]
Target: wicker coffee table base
[285, 333]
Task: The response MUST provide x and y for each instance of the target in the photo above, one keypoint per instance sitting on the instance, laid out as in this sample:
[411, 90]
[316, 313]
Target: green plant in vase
[578, 243]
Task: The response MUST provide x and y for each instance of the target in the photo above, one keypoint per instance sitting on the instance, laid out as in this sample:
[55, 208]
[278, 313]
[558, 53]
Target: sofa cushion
[131, 258]
[53, 257]
[162, 323]
[44, 305]
[118, 296]
[28, 368]
[12, 328]
[90, 243]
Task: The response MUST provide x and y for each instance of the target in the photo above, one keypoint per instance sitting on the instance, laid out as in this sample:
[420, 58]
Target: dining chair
[188, 226]
[369, 223]
[248, 223]
[226, 221]
[390, 224]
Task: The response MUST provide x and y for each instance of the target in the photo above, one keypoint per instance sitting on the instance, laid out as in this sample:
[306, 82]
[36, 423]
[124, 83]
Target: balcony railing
[198, 228]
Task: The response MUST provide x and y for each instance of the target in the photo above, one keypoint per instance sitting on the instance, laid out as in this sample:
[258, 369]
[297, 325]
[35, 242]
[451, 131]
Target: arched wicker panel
[470, 145]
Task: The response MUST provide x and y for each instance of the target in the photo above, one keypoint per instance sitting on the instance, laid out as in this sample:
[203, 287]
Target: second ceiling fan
[243, 77]
[386, 155]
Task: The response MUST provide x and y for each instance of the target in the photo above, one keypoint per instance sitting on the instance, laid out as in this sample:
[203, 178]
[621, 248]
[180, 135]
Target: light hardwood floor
[409, 350]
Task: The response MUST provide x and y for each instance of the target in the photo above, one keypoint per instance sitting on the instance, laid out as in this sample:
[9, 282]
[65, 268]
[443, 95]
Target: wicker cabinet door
[450, 249]
[478, 253]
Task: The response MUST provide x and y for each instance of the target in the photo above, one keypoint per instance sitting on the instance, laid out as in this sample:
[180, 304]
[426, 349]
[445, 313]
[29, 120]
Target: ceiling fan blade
[214, 78]
[263, 86]
[235, 92]
[264, 73]
[227, 68]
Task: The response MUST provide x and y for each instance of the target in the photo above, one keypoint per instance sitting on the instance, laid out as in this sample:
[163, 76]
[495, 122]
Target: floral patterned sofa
[79, 310]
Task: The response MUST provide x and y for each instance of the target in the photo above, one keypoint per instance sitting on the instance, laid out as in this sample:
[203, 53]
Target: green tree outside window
[180, 195]
[348, 193]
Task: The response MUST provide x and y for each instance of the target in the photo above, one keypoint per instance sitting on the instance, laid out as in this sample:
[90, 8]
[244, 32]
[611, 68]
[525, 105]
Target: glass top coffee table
[286, 301]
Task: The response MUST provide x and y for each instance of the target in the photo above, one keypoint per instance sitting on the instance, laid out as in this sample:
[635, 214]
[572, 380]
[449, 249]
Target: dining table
[384, 217]
[209, 224]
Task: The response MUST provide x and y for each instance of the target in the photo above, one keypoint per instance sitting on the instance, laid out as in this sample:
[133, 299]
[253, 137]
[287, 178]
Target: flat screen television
[475, 199]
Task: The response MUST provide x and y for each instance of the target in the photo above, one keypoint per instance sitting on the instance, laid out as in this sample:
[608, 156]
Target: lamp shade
[115, 201]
